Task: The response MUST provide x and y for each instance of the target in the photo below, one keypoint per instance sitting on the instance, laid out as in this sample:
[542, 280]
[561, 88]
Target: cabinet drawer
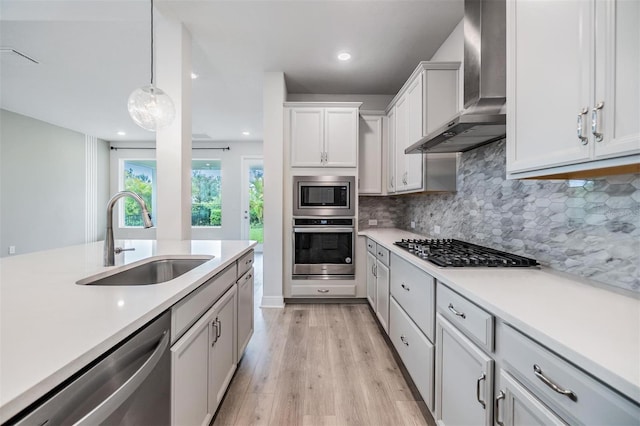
[578, 397]
[414, 348]
[414, 290]
[472, 320]
[371, 246]
[189, 309]
[245, 263]
[323, 290]
[382, 254]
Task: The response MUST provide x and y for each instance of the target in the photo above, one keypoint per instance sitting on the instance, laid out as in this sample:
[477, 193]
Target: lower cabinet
[464, 379]
[516, 406]
[382, 295]
[371, 279]
[245, 311]
[203, 362]
[415, 350]
[378, 281]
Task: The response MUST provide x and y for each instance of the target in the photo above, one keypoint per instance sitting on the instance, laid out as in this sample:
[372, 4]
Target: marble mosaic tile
[586, 227]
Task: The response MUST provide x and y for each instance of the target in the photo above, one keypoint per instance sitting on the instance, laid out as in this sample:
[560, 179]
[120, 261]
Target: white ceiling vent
[17, 53]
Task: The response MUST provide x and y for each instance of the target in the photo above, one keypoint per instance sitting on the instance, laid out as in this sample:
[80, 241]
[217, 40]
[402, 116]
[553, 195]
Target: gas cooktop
[456, 253]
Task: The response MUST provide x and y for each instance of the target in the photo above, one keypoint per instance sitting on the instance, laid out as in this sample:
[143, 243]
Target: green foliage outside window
[141, 185]
[206, 199]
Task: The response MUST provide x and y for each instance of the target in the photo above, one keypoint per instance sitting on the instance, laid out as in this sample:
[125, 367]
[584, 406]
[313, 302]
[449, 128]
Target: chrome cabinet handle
[374, 268]
[581, 127]
[404, 340]
[566, 392]
[404, 287]
[500, 396]
[323, 290]
[248, 262]
[214, 331]
[596, 122]
[218, 329]
[248, 277]
[480, 379]
[392, 181]
[457, 313]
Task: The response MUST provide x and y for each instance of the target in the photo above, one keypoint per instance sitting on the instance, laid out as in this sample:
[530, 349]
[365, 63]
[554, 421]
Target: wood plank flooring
[319, 364]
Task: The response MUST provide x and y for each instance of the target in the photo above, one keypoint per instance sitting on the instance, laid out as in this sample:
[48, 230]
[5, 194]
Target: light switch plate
[436, 229]
[373, 222]
[413, 224]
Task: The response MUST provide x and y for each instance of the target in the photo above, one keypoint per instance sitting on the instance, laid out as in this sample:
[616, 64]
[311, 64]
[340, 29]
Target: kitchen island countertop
[51, 327]
[595, 328]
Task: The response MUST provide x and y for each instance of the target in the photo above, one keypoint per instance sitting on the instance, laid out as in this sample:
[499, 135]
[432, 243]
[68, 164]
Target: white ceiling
[93, 53]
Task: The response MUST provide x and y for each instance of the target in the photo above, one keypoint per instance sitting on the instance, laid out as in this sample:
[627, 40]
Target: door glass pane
[256, 203]
[206, 193]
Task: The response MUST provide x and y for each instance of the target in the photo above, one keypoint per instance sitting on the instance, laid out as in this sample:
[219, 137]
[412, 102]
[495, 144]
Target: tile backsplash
[589, 227]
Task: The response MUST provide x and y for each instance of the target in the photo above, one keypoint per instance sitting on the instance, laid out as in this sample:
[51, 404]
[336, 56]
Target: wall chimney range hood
[483, 119]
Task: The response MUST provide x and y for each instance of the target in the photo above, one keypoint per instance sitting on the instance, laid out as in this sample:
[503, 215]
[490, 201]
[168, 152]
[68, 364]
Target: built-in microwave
[324, 195]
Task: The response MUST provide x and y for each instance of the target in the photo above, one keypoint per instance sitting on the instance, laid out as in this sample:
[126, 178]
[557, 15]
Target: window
[206, 193]
[139, 177]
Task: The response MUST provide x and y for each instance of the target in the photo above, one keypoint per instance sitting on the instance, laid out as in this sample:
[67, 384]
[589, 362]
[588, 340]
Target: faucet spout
[109, 250]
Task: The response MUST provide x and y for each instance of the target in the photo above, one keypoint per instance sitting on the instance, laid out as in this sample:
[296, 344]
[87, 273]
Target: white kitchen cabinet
[370, 155]
[391, 154]
[382, 298]
[464, 379]
[222, 347]
[426, 101]
[573, 89]
[245, 311]
[515, 406]
[323, 135]
[371, 279]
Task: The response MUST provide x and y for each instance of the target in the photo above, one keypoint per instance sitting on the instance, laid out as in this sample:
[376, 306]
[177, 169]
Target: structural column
[173, 143]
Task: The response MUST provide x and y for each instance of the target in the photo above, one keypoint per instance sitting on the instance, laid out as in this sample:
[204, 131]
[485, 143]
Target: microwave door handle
[322, 230]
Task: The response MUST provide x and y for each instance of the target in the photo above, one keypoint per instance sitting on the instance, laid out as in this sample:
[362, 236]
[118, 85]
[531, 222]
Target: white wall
[274, 95]
[369, 102]
[42, 185]
[452, 49]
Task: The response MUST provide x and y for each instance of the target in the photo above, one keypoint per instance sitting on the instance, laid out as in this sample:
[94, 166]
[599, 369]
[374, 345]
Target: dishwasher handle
[116, 399]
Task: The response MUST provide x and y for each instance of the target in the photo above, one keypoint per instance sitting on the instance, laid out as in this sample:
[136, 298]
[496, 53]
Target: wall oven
[324, 196]
[323, 248]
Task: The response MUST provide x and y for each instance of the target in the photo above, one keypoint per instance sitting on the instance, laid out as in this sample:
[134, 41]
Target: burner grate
[456, 253]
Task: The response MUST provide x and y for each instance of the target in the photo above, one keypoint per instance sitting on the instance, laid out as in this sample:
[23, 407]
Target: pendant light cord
[152, 42]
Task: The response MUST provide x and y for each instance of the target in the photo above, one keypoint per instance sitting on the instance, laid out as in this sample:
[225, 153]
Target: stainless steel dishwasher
[129, 385]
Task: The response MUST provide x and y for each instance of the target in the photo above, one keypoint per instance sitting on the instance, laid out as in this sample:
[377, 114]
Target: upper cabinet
[370, 161]
[573, 89]
[426, 101]
[323, 134]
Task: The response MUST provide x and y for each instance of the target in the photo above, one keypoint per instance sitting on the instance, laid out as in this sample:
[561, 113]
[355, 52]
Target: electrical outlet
[373, 222]
[12, 249]
[436, 229]
[413, 224]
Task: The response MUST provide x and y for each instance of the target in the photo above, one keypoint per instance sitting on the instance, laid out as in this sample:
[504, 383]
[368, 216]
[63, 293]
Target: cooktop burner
[456, 253]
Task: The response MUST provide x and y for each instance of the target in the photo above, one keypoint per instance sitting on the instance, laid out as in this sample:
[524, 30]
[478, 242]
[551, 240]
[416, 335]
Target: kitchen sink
[154, 271]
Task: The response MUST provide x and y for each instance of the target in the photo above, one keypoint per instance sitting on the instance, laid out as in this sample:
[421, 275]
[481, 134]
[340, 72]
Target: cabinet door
[245, 311]
[189, 375]
[222, 348]
[307, 137]
[402, 127]
[341, 137]
[391, 151]
[549, 82]
[370, 155]
[515, 406]
[415, 131]
[382, 299]
[371, 279]
[464, 379]
[617, 67]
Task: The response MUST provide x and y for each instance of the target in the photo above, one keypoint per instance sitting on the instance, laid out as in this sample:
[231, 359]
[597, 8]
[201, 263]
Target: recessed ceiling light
[121, 133]
[344, 56]
[194, 76]
[246, 133]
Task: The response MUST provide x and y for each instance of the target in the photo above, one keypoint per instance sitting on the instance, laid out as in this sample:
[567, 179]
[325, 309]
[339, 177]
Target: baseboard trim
[276, 302]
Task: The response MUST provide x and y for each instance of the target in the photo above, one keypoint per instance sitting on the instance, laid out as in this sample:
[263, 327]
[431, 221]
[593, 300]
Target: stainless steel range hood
[483, 119]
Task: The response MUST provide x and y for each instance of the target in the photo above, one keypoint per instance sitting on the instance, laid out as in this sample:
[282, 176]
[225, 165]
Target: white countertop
[596, 329]
[50, 327]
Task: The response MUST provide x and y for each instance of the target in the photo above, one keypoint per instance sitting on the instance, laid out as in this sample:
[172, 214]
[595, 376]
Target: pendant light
[149, 106]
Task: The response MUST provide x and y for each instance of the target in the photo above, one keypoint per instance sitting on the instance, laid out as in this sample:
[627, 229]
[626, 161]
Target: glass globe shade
[151, 108]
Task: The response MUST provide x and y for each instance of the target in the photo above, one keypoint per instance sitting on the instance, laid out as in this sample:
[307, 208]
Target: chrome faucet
[109, 250]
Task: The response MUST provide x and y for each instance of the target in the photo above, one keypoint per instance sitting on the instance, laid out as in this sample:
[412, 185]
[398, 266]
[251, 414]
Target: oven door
[323, 253]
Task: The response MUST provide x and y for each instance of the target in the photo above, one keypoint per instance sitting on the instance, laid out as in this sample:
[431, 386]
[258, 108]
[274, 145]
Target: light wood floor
[319, 364]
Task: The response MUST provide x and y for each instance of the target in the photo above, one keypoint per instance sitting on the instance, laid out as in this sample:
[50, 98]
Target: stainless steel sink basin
[151, 272]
